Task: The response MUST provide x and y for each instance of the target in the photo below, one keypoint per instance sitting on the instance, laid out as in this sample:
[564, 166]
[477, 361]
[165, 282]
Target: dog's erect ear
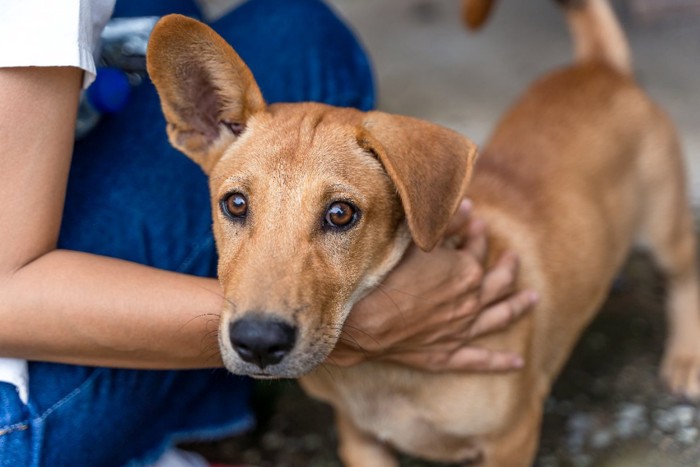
[430, 166]
[207, 92]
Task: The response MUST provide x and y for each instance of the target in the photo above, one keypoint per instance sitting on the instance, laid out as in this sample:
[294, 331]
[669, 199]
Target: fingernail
[518, 362]
[534, 297]
[465, 205]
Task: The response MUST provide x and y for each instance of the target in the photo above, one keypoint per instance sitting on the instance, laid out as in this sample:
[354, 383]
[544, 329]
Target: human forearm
[37, 117]
[72, 307]
[79, 308]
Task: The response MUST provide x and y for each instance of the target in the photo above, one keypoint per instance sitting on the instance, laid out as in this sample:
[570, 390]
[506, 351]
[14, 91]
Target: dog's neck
[402, 240]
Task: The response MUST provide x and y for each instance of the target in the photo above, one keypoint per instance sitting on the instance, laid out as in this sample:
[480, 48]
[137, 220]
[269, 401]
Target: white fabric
[52, 33]
[48, 33]
[14, 371]
[174, 457]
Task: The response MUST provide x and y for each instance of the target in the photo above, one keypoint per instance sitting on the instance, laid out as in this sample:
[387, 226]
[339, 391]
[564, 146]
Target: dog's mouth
[264, 347]
[262, 376]
[291, 368]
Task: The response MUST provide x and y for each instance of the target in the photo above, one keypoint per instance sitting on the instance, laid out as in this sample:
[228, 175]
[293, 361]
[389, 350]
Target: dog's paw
[680, 370]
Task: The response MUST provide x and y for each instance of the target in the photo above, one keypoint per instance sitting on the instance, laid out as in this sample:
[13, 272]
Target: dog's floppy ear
[429, 165]
[207, 92]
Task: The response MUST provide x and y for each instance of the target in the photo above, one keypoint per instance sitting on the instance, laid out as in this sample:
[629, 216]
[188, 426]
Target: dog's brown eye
[341, 215]
[234, 205]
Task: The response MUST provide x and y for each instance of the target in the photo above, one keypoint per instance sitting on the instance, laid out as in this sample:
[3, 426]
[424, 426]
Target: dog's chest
[423, 415]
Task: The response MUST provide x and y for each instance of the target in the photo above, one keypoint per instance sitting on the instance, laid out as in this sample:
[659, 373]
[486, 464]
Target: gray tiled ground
[429, 67]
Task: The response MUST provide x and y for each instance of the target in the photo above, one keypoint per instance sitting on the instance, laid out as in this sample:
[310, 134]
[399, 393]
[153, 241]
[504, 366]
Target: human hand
[428, 309]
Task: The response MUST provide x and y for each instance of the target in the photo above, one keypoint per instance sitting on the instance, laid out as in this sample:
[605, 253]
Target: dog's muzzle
[262, 341]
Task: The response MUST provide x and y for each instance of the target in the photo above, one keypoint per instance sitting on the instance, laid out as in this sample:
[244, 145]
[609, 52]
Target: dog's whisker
[221, 296]
[230, 302]
[352, 342]
[384, 288]
[380, 288]
[203, 315]
[212, 357]
[347, 328]
[330, 373]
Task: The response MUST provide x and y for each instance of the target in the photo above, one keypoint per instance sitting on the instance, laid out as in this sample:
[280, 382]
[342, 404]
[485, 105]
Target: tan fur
[476, 12]
[578, 170]
[598, 36]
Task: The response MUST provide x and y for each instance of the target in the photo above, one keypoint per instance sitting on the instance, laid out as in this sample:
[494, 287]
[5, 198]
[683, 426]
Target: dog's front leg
[359, 449]
[517, 446]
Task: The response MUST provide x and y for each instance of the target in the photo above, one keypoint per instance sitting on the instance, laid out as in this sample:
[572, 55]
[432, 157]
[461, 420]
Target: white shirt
[49, 33]
[53, 33]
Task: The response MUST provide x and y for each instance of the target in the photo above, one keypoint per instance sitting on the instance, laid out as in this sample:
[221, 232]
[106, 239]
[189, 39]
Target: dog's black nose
[262, 341]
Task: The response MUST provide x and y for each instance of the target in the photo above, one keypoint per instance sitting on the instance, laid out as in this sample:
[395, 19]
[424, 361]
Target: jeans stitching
[70, 395]
[24, 424]
[19, 426]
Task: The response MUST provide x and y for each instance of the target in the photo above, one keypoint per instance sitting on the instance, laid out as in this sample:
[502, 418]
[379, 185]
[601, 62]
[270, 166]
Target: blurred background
[607, 408]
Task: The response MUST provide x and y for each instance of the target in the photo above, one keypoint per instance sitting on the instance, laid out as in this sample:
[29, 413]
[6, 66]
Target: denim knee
[98, 416]
[132, 196]
[311, 56]
[132, 8]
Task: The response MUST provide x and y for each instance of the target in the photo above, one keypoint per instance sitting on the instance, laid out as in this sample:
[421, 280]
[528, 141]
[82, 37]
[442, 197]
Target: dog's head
[312, 204]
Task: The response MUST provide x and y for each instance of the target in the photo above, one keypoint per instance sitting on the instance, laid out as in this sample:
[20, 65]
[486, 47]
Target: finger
[460, 219]
[345, 360]
[477, 241]
[355, 339]
[463, 359]
[502, 314]
[345, 355]
[500, 279]
[478, 359]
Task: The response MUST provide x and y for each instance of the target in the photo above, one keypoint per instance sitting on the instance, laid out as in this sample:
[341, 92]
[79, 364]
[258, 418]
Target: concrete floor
[428, 66]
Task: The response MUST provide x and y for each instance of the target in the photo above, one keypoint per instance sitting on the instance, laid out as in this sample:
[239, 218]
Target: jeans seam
[24, 424]
[69, 396]
[19, 426]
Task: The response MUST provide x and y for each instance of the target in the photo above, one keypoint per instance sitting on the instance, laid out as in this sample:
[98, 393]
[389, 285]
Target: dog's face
[305, 221]
[312, 204]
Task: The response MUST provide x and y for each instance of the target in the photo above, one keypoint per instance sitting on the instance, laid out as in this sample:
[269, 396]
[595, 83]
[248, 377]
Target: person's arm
[71, 307]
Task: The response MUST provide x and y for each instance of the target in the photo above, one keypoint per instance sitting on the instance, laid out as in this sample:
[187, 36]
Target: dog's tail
[597, 33]
[476, 12]
[594, 27]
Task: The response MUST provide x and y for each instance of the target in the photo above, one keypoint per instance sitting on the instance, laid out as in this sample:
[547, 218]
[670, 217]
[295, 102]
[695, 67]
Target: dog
[314, 205]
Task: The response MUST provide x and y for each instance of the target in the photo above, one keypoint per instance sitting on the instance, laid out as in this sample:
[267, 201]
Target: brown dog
[312, 205]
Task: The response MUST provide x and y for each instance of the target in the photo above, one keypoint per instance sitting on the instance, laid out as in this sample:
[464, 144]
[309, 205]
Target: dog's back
[571, 177]
[566, 166]
[559, 182]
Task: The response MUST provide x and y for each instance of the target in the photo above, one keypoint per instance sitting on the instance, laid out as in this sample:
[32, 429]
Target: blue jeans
[131, 196]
